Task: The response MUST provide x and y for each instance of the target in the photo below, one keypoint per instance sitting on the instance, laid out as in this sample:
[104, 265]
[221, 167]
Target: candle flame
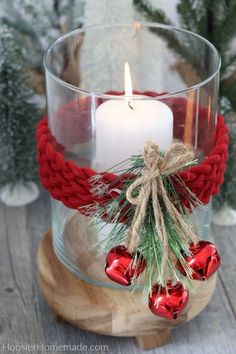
[128, 81]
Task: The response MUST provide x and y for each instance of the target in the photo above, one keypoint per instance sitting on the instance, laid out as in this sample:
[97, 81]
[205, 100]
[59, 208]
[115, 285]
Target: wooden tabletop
[25, 318]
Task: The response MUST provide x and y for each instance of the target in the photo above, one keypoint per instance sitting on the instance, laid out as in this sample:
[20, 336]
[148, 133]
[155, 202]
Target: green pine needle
[150, 246]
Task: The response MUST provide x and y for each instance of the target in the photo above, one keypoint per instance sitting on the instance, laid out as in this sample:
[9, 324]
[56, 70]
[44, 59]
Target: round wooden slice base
[109, 311]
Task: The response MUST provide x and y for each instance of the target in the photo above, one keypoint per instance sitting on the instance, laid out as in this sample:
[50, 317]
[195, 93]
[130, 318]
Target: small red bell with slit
[168, 302]
[204, 260]
[121, 266]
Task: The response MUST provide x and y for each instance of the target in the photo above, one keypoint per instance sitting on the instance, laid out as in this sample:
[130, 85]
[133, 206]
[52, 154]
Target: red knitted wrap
[71, 184]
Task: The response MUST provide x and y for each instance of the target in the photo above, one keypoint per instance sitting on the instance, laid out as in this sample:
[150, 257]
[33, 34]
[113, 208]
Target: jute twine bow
[151, 186]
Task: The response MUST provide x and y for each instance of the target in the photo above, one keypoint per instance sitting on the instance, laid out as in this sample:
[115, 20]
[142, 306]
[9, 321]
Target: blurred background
[28, 28]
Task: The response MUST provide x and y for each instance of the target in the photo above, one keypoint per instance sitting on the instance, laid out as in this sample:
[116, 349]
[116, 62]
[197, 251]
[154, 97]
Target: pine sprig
[150, 245]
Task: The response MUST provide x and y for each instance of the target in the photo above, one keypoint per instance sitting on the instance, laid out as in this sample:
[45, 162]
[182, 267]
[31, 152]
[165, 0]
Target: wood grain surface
[27, 319]
[104, 310]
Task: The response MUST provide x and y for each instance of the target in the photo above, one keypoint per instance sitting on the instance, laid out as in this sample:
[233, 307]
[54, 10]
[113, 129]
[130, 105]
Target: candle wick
[129, 104]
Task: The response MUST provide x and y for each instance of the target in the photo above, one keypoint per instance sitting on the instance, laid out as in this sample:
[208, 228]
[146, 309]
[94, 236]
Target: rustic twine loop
[151, 187]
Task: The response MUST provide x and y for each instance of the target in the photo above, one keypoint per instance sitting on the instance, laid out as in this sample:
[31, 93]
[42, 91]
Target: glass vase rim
[80, 90]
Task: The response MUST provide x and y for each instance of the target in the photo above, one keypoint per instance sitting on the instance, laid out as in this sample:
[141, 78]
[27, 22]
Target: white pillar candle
[122, 131]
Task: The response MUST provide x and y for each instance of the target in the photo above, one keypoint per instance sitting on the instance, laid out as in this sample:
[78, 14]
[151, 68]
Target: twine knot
[151, 187]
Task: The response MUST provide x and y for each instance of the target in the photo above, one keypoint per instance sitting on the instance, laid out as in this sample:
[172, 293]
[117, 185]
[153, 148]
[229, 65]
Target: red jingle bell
[121, 267]
[204, 260]
[168, 302]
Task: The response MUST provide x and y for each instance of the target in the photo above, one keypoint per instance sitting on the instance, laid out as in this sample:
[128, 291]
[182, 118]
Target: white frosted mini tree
[18, 117]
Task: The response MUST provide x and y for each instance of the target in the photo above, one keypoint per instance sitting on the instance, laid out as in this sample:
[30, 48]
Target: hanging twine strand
[151, 185]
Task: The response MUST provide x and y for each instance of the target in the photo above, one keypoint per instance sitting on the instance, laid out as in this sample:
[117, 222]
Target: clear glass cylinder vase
[175, 91]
